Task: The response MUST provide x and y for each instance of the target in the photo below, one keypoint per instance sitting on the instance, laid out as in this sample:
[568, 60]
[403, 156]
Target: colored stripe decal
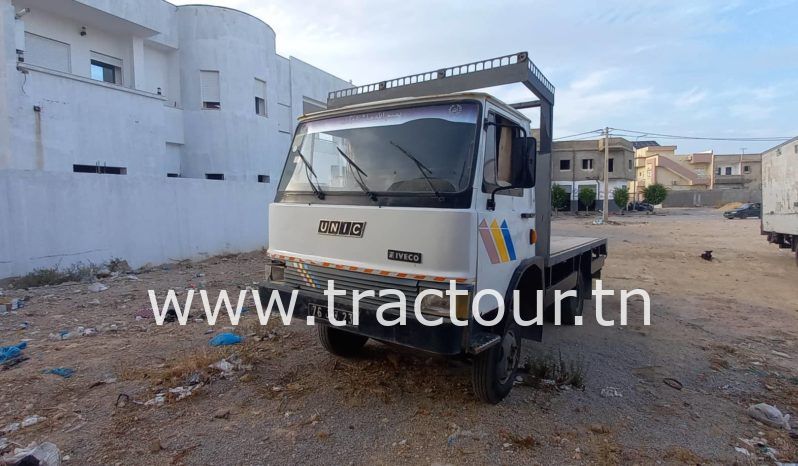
[490, 248]
[497, 237]
[508, 240]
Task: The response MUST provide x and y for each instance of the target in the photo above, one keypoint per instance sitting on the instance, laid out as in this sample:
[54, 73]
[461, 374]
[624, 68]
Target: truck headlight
[439, 305]
[436, 304]
[275, 271]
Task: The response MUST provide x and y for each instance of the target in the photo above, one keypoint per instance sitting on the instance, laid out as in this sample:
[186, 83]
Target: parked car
[640, 207]
[753, 209]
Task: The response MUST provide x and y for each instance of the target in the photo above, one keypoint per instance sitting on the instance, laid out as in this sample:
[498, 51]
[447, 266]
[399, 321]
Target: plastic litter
[13, 351]
[97, 287]
[43, 454]
[769, 415]
[225, 339]
[32, 420]
[64, 372]
[611, 392]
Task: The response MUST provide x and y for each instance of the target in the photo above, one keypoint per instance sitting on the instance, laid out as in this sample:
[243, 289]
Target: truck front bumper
[445, 339]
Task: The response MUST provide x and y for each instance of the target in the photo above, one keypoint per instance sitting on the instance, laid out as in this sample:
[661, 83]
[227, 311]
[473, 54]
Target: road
[726, 330]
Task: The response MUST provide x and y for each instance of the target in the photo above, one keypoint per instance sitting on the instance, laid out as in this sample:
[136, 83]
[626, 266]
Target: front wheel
[494, 370]
[341, 342]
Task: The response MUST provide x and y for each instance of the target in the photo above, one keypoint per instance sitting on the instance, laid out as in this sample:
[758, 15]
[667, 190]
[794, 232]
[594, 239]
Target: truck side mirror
[524, 158]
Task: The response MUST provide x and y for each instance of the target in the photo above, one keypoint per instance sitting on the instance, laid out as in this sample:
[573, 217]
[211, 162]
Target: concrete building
[581, 163]
[120, 117]
[660, 164]
[738, 171]
[145, 87]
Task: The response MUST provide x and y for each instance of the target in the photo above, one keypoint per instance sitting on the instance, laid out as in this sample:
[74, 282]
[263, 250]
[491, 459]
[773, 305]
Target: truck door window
[498, 150]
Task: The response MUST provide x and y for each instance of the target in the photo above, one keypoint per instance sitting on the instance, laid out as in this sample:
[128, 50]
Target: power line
[672, 136]
[578, 134]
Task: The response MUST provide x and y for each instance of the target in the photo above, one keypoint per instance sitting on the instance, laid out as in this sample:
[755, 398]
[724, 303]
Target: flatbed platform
[564, 247]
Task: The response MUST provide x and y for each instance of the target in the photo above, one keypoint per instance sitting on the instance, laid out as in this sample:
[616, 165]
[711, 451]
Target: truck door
[503, 235]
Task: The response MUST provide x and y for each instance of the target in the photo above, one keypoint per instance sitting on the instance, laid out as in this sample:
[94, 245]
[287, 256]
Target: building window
[47, 53]
[587, 164]
[173, 175]
[260, 97]
[717, 171]
[214, 176]
[746, 169]
[99, 169]
[209, 90]
[610, 164]
[263, 178]
[105, 68]
[728, 170]
[631, 164]
[565, 164]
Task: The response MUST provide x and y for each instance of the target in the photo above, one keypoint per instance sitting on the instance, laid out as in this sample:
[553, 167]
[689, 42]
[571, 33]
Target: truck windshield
[428, 150]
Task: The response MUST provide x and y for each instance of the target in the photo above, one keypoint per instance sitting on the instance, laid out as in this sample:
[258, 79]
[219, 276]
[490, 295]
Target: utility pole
[742, 153]
[606, 174]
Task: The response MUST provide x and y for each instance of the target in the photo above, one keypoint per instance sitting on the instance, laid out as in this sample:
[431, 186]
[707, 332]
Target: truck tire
[494, 370]
[340, 342]
[572, 307]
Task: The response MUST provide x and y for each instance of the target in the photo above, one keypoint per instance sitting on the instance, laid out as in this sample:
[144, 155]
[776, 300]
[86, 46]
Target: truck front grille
[313, 278]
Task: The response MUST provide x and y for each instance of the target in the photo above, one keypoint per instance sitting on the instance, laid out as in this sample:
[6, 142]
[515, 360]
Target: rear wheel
[340, 342]
[574, 306]
[494, 370]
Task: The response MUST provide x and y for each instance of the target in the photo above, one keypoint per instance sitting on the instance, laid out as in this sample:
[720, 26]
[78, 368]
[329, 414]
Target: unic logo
[497, 240]
[339, 228]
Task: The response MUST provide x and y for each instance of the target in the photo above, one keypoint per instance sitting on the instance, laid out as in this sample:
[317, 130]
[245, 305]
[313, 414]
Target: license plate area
[319, 311]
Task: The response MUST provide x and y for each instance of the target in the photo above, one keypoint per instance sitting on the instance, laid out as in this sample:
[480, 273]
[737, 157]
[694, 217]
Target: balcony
[729, 179]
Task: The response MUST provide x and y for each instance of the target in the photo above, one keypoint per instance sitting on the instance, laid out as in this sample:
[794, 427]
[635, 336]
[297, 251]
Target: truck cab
[435, 192]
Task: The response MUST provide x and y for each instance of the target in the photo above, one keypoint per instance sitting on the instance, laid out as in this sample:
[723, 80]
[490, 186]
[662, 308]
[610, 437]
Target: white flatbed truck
[415, 184]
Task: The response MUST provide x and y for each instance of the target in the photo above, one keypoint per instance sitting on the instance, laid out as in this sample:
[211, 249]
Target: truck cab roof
[382, 104]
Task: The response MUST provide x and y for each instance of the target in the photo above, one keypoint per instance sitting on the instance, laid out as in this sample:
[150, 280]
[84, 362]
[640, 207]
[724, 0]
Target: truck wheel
[340, 342]
[572, 307]
[494, 370]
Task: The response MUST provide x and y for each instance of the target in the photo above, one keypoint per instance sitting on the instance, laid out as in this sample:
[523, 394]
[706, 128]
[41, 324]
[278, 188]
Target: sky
[710, 68]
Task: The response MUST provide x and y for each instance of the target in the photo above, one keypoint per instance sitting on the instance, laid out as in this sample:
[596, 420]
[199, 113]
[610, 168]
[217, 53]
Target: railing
[442, 73]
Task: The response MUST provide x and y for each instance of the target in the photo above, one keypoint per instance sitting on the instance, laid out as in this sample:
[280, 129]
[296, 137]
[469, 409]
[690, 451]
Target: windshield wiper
[421, 167]
[358, 177]
[308, 170]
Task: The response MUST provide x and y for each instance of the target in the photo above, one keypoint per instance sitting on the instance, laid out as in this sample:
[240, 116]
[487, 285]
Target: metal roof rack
[507, 69]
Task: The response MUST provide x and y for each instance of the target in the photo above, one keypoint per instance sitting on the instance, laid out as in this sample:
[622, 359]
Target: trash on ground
[43, 454]
[780, 354]
[12, 351]
[230, 365]
[97, 287]
[611, 392]
[32, 420]
[64, 372]
[769, 415]
[159, 400]
[707, 255]
[673, 383]
[225, 339]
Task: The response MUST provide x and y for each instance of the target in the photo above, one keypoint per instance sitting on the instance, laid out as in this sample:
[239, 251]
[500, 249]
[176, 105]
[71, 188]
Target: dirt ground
[725, 330]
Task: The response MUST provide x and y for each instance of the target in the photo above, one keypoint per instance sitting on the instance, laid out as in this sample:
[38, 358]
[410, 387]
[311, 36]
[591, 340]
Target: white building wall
[232, 140]
[59, 119]
[64, 218]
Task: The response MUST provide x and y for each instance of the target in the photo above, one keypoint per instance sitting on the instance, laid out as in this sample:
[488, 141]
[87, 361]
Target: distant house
[581, 163]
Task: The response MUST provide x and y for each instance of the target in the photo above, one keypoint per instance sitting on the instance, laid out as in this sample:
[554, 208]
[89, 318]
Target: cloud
[690, 98]
[700, 67]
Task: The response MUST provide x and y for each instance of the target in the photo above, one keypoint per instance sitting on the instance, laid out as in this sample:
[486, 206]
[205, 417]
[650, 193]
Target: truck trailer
[780, 195]
[420, 184]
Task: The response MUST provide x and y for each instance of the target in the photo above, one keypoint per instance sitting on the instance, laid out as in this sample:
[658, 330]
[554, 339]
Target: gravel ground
[725, 330]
